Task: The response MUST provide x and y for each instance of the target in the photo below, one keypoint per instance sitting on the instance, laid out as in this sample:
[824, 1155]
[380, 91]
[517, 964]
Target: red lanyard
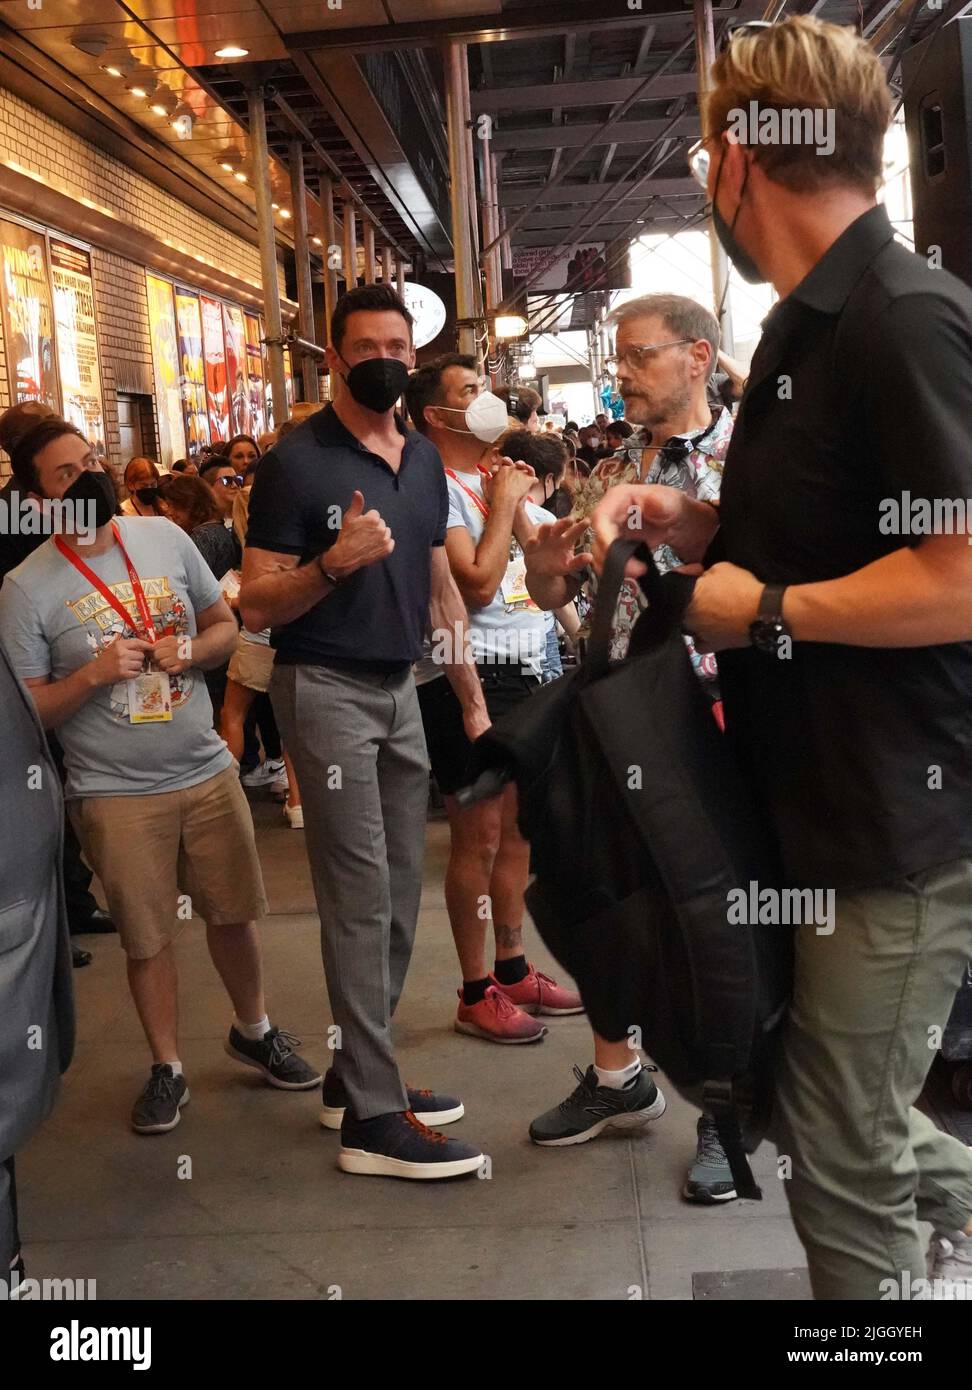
[147, 630]
[469, 493]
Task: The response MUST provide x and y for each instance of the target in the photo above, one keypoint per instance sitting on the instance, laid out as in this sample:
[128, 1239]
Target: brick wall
[46, 148]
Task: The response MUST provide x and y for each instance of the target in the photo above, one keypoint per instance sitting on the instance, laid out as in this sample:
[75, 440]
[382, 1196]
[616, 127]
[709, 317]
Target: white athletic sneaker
[271, 770]
[295, 816]
[949, 1265]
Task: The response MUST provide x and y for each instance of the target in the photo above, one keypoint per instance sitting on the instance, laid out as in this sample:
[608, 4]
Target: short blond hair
[806, 64]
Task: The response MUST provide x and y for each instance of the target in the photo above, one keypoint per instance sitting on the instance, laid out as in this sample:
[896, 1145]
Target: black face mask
[147, 495]
[97, 488]
[741, 259]
[559, 503]
[377, 383]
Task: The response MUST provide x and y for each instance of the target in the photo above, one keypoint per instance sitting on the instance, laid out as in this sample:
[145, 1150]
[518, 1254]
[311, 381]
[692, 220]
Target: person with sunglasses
[141, 483]
[225, 481]
[845, 646]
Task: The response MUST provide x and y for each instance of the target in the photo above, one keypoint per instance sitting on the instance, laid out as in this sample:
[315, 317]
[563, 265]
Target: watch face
[765, 635]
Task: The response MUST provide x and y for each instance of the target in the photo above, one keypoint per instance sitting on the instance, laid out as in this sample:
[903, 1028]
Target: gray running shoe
[709, 1179]
[275, 1054]
[591, 1108]
[157, 1108]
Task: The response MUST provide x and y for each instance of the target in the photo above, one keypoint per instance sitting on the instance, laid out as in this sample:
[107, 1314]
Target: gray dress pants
[358, 747]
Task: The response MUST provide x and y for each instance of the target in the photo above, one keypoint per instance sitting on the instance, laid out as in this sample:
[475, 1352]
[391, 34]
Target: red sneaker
[538, 994]
[497, 1020]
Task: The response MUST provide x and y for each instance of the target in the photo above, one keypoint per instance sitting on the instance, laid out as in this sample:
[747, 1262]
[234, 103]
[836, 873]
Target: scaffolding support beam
[331, 247]
[350, 258]
[268, 252]
[462, 197]
[368, 239]
[704, 58]
[305, 287]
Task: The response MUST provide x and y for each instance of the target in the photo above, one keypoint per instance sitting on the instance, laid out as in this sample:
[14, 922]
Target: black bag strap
[598, 658]
[668, 597]
[719, 1101]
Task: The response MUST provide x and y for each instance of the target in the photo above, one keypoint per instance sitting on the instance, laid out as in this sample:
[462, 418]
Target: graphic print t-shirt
[52, 621]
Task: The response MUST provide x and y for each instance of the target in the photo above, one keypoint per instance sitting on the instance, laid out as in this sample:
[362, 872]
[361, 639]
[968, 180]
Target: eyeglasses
[231, 482]
[635, 357]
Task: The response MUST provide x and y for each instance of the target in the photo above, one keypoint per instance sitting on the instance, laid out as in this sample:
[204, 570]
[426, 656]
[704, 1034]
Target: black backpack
[639, 827]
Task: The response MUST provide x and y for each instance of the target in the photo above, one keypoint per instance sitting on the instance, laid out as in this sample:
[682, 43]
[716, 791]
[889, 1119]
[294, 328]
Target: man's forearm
[59, 700]
[493, 551]
[447, 614]
[911, 598]
[215, 645]
[273, 600]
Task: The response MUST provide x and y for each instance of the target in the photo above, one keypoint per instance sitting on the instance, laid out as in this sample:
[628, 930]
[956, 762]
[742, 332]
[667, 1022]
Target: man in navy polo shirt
[345, 563]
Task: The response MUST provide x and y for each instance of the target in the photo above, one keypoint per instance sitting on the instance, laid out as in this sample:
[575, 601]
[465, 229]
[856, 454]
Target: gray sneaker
[275, 1054]
[709, 1179]
[157, 1108]
[591, 1107]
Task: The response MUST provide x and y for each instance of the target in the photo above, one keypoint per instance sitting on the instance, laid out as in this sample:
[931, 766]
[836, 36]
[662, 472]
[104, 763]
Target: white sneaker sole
[381, 1166]
[231, 1051]
[332, 1116]
[635, 1120]
[472, 1030]
[164, 1129]
[710, 1199]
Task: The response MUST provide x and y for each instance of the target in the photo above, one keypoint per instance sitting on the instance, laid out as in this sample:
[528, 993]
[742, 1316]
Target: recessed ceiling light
[240, 174]
[163, 100]
[232, 50]
[317, 241]
[139, 83]
[285, 213]
[112, 69]
[225, 164]
[275, 206]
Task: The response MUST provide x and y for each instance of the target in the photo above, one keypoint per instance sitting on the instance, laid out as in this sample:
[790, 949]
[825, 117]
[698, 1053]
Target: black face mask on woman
[91, 486]
[377, 383]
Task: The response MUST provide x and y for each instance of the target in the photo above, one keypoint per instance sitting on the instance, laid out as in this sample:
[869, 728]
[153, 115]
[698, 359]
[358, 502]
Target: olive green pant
[869, 1002]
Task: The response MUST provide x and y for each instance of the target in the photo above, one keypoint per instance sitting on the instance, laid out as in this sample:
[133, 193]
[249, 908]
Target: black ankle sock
[511, 972]
[474, 991]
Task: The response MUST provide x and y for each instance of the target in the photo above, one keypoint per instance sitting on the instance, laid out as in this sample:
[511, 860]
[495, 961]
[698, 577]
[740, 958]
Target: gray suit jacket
[36, 993]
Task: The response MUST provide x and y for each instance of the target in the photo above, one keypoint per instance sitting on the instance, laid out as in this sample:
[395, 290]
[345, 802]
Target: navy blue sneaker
[398, 1145]
[275, 1055]
[426, 1106]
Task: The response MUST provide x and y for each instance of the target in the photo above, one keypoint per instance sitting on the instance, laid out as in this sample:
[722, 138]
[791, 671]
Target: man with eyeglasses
[844, 648]
[665, 355]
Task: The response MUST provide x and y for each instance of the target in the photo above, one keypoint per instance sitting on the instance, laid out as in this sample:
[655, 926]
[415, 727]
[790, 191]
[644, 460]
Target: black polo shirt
[378, 616]
[860, 390]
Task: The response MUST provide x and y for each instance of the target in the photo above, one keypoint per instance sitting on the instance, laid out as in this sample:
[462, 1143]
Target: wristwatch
[769, 629]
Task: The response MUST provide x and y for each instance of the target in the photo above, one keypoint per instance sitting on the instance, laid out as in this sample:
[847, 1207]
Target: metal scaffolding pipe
[368, 239]
[461, 197]
[305, 287]
[704, 58]
[268, 252]
[350, 258]
[331, 246]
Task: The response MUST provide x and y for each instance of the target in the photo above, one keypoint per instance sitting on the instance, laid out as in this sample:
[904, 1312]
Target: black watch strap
[771, 603]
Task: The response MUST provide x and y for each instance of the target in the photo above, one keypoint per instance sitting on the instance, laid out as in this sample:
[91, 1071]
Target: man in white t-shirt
[489, 859]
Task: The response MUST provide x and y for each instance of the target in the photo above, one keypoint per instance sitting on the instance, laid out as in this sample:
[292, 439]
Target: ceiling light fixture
[232, 50]
[139, 82]
[163, 100]
[510, 326]
[225, 164]
[285, 213]
[240, 175]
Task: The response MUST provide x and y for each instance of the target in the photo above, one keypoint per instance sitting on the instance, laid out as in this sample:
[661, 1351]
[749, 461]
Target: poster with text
[192, 377]
[254, 376]
[77, 342]
[165, 359]
[28, 316]
[214, 351]
[239, 396]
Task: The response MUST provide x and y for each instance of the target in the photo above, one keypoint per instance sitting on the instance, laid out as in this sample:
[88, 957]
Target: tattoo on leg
[508, 938]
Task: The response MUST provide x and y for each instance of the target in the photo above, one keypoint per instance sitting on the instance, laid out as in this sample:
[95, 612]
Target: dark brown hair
[192, 496]
[34, 441]
[373, 298]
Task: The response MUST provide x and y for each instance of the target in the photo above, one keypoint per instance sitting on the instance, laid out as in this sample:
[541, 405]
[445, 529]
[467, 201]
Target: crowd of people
[360, 597]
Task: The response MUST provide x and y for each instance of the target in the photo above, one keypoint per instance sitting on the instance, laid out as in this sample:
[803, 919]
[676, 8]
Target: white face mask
[486, 417]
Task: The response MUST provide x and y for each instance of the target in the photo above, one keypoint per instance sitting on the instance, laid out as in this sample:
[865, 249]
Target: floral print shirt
[692, 463]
